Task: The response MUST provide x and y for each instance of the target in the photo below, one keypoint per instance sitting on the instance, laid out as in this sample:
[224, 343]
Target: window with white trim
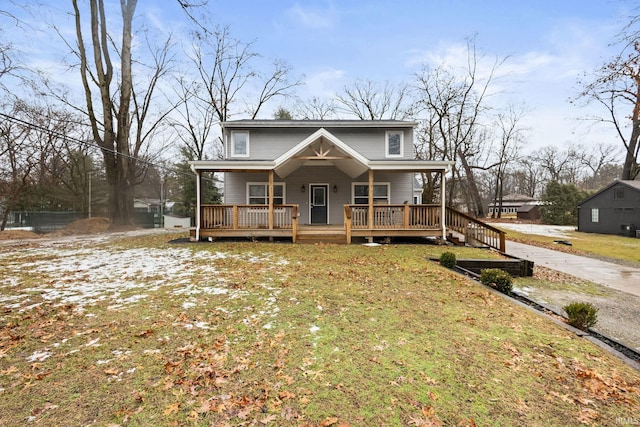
[361, 193]
[240, 143]
[258, 193]
[595, 215]
[394, 143]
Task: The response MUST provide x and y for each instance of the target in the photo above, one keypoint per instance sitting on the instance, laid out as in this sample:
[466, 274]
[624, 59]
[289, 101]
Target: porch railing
[475, 230]
[406, 217]
[235, 217]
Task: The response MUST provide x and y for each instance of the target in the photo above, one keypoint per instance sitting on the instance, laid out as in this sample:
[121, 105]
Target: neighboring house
[613, 210]
[511, 203]
[285, 178]
[152, 205]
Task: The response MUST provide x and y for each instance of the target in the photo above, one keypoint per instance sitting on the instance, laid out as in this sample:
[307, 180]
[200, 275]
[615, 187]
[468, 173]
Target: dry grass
[280, 334]
[18, 235]
[604, 246]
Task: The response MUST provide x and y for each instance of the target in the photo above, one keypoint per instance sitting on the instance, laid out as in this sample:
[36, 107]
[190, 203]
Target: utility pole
[89, 208]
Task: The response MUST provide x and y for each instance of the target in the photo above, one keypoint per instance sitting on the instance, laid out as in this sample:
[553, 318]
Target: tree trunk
[473, 187]
[630, 169]
[111, 125]
[5, 217]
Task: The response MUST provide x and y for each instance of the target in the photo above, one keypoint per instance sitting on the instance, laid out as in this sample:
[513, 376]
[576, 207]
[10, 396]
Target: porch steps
[456, 238]
[312, 234]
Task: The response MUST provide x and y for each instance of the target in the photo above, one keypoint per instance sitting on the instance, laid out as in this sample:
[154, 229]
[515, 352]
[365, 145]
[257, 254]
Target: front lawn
[142, 332]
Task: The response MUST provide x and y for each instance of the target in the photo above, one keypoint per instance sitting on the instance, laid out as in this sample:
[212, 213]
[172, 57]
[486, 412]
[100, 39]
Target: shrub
[448, 259]
[501, 280]
[581, 315]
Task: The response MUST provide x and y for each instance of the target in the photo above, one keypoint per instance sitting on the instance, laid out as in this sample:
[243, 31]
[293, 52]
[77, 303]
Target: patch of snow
[189, 304]
[93, 343]
[39, 356]
[539, 229]
[314, 329]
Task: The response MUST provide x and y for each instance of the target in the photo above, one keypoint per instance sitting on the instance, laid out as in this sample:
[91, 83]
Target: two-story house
[288, 178]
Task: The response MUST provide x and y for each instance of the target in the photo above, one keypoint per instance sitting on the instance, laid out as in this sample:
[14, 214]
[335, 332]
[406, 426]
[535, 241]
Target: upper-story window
[394, 142]
[240, 144]
[618, 193]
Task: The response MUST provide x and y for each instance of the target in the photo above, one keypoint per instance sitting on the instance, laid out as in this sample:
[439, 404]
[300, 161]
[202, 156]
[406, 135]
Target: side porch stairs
[463, 229]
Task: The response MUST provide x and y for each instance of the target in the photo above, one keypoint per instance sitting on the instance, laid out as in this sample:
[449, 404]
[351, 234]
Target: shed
[529, 211]
[613, 210]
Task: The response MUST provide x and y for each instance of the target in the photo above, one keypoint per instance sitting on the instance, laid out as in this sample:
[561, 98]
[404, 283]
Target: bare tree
[228, 83]
[596, 159]
[454, 105]
[561, 166]
[120, 120]
[616, 87]
[367, 100]
[315, 109]
[195, 122]
[17, 160]
[8, 64]
[527, 177]
[507, 151]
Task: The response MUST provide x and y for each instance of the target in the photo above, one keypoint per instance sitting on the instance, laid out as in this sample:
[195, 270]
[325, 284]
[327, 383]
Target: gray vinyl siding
[271, 143]
[401, 188]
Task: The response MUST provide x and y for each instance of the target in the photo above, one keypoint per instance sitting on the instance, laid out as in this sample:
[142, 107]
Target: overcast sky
[548, 44]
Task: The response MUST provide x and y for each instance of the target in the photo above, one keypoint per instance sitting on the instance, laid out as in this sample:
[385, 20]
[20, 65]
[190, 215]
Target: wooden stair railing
[475, 230]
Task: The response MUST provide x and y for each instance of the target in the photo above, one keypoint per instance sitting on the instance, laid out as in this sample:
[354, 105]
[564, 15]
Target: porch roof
[267, 165]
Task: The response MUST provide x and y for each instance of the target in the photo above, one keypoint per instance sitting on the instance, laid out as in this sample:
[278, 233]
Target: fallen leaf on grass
[329, 421]
[47, 406]
[172, 409]
[269, 418]
[284, 395]
[587, 416]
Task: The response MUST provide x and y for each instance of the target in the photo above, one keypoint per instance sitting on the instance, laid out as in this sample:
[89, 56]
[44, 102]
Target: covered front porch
[282, 221]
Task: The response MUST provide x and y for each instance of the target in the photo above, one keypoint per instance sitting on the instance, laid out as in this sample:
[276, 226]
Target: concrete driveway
[626, 279]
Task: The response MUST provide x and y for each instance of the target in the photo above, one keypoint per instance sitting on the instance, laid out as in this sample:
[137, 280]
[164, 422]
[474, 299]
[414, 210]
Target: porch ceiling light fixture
[335, 188]
[303, 189]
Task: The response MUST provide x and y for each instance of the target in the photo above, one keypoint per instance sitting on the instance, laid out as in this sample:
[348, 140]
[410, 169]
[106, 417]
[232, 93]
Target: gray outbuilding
[613, 210]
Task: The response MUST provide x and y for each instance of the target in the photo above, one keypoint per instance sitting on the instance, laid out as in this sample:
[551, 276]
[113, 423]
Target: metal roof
[317, 123]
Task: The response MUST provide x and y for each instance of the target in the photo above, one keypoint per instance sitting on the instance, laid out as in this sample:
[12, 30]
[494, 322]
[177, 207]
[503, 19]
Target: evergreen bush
[499, 279]
[448, 259]
[581, 315]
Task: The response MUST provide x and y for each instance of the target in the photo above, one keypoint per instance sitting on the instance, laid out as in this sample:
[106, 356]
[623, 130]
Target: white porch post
[370, 199]
[271, 199]
[442, 203]
[198, 203]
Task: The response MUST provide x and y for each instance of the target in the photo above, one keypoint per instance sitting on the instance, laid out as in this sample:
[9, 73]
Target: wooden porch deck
[281, 221]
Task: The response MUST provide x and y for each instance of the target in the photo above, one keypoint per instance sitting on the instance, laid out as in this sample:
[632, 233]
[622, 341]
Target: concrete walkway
[626, 279]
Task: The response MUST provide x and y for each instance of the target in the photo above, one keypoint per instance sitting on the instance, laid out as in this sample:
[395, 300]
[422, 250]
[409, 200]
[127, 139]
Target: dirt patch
[18, 235]
[85, 226]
